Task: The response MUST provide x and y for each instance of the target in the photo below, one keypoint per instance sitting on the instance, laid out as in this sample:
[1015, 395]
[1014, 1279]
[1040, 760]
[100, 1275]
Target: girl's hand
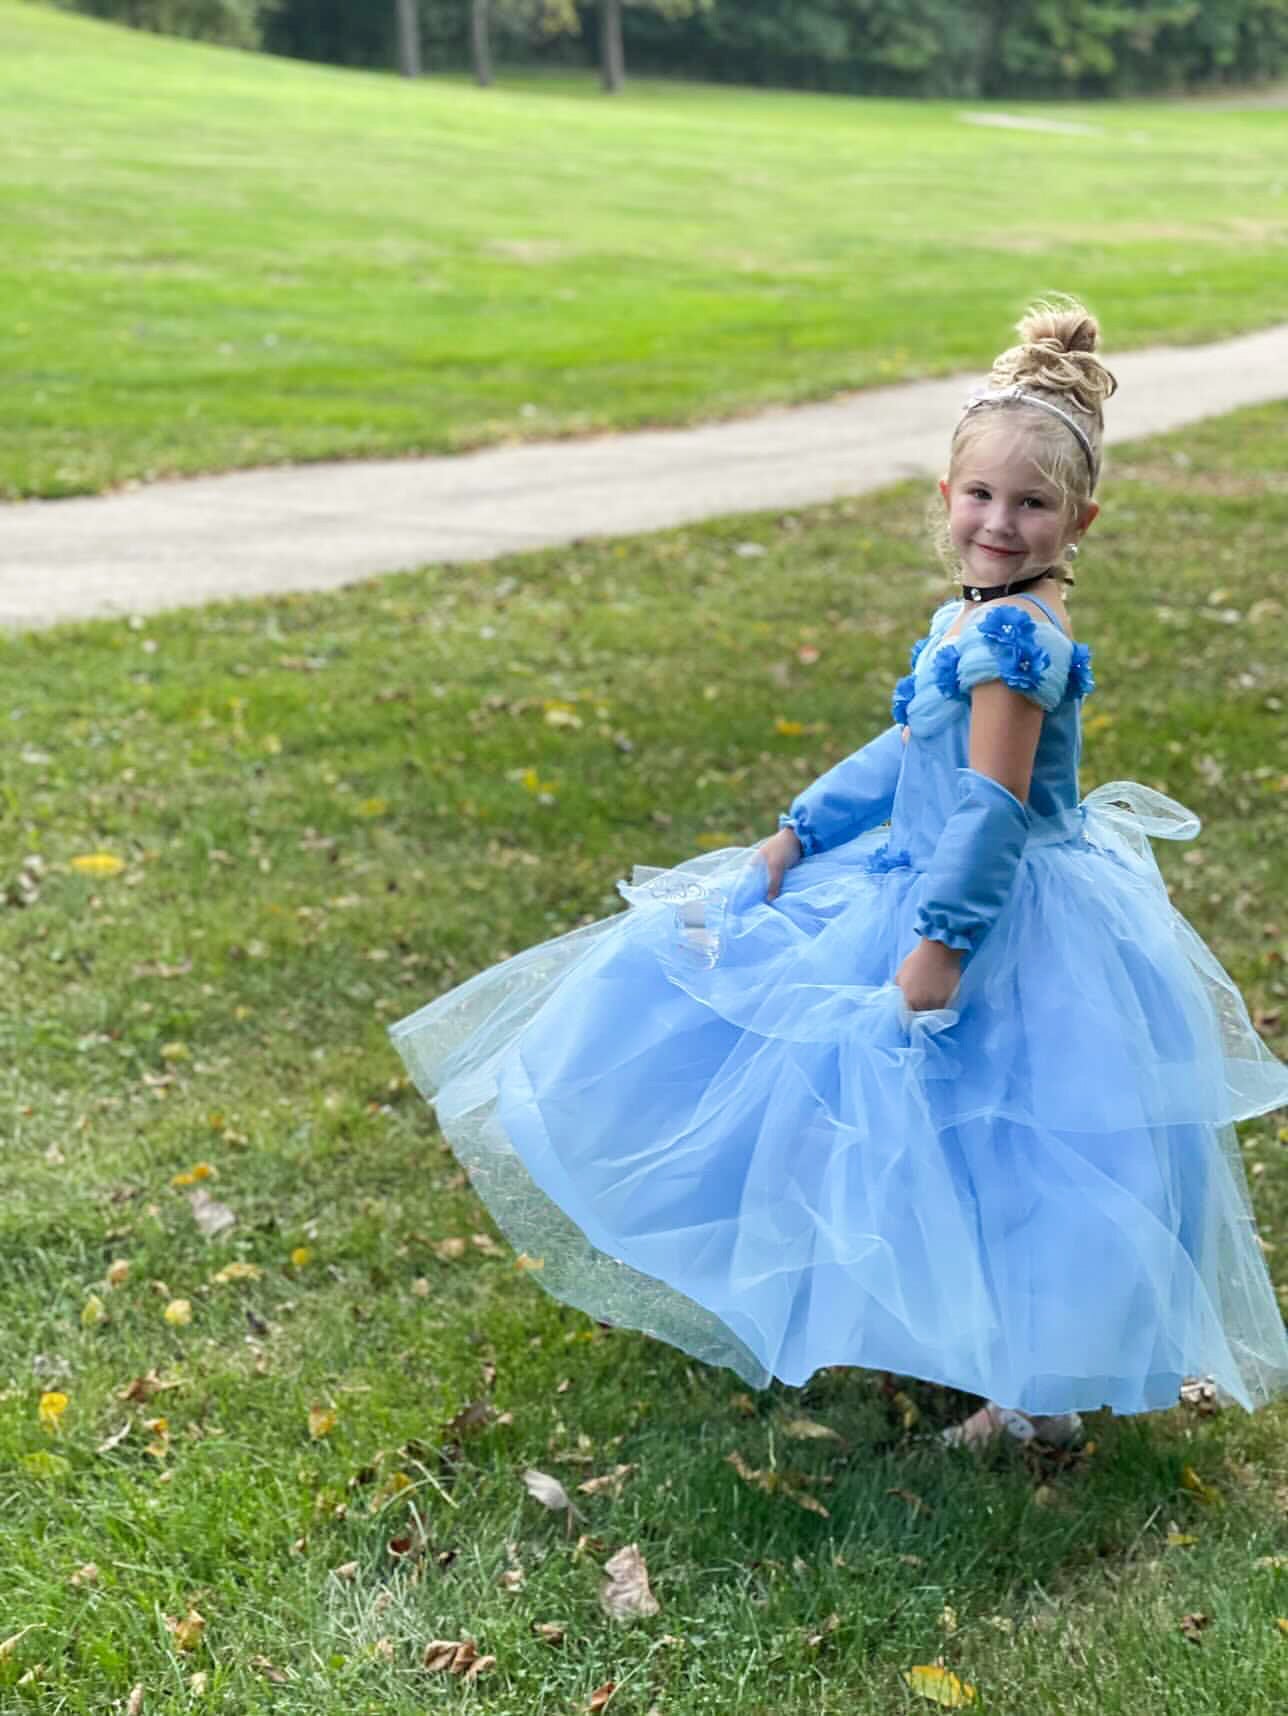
[929, 976]
[780, 852]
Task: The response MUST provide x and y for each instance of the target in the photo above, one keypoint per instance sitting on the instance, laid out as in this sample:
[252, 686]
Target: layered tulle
[714, 1118]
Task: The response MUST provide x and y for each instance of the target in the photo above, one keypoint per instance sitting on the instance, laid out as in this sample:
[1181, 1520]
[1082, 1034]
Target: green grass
[216, 259]
[321, 809]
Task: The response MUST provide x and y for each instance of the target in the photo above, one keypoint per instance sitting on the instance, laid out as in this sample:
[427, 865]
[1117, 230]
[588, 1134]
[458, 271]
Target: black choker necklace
[990, 593]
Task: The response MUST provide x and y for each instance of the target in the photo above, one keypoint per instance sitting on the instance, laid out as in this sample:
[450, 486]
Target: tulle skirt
[714, 1119]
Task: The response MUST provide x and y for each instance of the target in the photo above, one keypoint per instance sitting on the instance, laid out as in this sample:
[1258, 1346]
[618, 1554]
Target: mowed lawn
[262, 1471]
[215, 259]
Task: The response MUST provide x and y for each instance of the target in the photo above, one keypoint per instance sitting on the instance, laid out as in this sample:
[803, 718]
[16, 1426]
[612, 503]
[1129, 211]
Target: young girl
[952, 1097]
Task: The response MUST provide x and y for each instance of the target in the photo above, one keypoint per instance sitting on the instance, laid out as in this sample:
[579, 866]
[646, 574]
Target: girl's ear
[943, 489]
[1087, 517]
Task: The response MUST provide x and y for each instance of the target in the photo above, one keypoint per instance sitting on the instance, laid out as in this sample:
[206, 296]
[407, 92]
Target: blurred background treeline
[973, 48]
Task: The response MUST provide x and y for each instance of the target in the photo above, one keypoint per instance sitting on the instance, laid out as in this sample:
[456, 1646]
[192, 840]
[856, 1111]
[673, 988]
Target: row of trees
[1008, 48]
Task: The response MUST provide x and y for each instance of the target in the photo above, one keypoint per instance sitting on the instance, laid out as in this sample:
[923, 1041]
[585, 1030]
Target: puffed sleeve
[855, 795]
[1008, 644]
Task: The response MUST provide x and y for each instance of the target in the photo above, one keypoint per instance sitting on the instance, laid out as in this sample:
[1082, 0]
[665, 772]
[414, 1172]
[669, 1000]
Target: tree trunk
[480, 43]
[408, 38]
[612, 58]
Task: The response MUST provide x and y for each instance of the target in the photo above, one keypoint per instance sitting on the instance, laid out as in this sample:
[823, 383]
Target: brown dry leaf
[486, 1244]
[86, 1575]
[118, 1272]
[548, 1491]
[384, 1649]
[523, 1261]
[187, 1632]
[809, 1430]
[9, 1645]
[456, 1656]
[1270, 1563]
[448, 1250]
[212, 1217]
[609, 1481]
[267, 1670]
[1192, 1626]
[134, 1703]
[476, 1416]
[940, 1686]
[914, 1501]
[830, 1625]
[511, 1579]
[553, 1632]
[346, 1570]
[322, 1421]
[811, 1504]
[743, 1403]
[600, 1696]
[144, 1387]
[625, 1593]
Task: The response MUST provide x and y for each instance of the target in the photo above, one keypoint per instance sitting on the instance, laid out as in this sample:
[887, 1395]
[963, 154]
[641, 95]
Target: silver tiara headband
[1018, 395]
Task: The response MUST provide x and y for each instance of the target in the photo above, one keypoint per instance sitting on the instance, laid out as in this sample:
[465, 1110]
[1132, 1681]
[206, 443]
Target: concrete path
[311, 527]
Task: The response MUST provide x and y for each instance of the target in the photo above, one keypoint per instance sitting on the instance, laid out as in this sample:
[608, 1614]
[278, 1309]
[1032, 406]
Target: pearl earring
[1071, 550]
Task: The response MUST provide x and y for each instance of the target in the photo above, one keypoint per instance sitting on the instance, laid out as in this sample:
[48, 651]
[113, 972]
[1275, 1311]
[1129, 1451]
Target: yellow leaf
[941, 1686]
[301, 1257]
[118, 1272]
[178, 1313]
[1199, 1488]
[52, 1406]
[370, 807]
[1282, 1624]
[93, 1312]
[238, 1271]
[789, 729]
[199, 1171]
[187, 1632]
[322, 1420]
[1180, 1540]
[175, 1052]
[98, 864]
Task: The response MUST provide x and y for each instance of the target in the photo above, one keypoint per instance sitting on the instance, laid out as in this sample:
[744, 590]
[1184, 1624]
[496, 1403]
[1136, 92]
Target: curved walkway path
[311, 527]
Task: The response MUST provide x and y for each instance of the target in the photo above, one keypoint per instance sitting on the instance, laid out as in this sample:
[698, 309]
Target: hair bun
[1058, 355]
[1066, 326]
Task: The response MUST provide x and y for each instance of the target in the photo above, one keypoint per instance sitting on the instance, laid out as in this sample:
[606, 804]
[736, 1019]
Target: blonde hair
[1056, 363]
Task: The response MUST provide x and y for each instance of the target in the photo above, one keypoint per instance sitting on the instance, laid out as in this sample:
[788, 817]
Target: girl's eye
[977, 493]
[1034, 500]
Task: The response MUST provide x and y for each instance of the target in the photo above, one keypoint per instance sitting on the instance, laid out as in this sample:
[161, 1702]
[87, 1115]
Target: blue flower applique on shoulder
[1081, 679]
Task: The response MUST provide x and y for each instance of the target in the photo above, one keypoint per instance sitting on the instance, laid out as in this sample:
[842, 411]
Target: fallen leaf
[268, 1670]
[9, 1645]
[198, 1683]
[98, 864]
[114, 1440]
[609, 1481]
[625, 1593]
[600, 1696]
[476, 1416]
[1199, 1488]
[1270, 1563]
[448, 1250]
[187, 1632]
[134, 1703]
[212, 1217]
[1180, 1540]
[346, 1570]
[192, 1176]
[93, 1312]
[178, 1313]
[914, 1501]
[814, 1640]
[553, 1632]
[941, 1686]
[86, 1575]
[52, 1406]
[523, 1261]
[789, 729]
[301, 1257]
[456, 1656]
[743, 1403]
[118, 1272]
[547, 1490]
[511, 1579]
[1192, 1626]
[142, 1388]
[809, 1430]
[384, 1649]
[322, 1421]
[238, 1271]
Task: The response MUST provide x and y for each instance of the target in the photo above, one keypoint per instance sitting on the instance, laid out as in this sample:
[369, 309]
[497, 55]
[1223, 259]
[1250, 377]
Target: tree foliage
[1006, 48]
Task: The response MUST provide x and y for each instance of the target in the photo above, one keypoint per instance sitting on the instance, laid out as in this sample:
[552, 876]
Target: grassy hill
[216, 259]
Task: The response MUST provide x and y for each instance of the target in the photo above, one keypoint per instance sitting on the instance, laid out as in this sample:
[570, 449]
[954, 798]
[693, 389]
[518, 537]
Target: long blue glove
[970, 875]
[855, 795]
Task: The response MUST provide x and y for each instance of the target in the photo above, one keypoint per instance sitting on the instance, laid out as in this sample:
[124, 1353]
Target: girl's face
[1006, 519]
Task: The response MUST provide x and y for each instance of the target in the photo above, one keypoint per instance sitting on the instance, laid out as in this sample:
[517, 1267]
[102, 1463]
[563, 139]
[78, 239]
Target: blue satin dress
[714, 1118]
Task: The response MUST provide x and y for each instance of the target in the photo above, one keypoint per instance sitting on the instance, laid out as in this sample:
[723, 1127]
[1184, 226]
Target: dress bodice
[1035, 657]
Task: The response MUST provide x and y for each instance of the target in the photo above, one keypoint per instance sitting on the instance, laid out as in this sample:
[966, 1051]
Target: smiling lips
[1006, 553]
